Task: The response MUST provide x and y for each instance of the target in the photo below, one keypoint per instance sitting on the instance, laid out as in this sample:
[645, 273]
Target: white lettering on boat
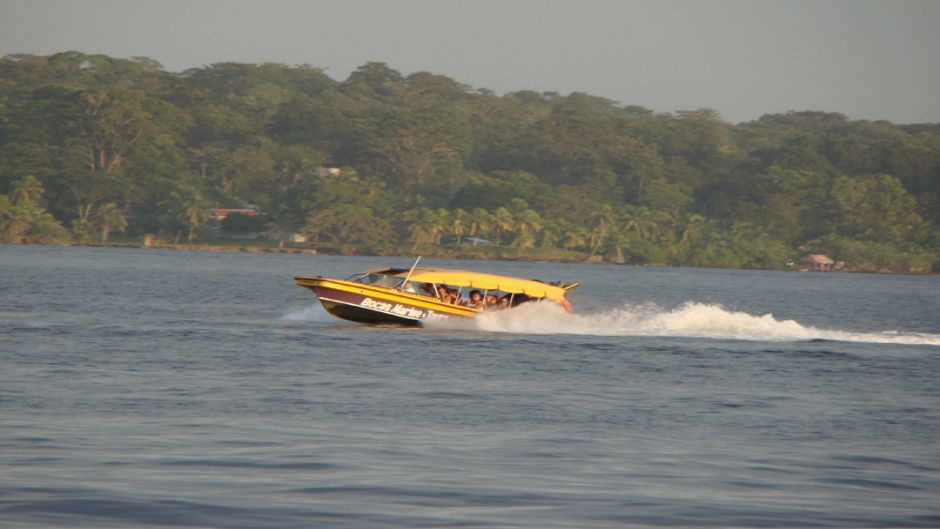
[401, 310]
[431, 315]
[378, 305]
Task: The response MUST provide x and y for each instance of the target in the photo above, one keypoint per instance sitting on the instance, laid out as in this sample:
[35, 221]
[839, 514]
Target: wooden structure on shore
[816, 262]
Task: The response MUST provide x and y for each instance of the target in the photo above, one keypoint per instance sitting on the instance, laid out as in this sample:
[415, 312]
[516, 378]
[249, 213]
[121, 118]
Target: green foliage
[109, 218]
[82, 231]
[382, 159]
[873, 207]
[239, 223]
[23, 219]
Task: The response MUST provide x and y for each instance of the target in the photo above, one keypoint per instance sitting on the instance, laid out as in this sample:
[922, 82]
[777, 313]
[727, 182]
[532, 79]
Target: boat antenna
[407, 277]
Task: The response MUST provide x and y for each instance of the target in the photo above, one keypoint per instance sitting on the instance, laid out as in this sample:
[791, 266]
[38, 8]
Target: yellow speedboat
[409, 296]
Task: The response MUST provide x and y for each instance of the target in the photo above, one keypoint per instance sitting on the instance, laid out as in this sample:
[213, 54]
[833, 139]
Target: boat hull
[379, 305]
[360, 315]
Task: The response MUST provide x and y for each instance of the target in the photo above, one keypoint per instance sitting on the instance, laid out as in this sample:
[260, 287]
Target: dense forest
[385, 163]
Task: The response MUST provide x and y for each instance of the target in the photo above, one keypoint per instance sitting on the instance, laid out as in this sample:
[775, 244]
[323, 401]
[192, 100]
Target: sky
[868, 59]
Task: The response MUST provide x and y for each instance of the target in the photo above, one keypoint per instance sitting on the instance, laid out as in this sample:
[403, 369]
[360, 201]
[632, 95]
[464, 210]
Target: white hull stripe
[369, 309]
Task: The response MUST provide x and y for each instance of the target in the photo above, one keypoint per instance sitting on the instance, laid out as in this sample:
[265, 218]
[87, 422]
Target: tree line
[381, 162]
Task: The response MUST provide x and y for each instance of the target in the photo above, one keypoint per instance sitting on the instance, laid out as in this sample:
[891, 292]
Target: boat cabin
[458, 286]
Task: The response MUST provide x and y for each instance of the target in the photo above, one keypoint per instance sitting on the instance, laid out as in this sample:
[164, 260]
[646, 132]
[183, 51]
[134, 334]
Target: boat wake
[690, 319]
[311, 313]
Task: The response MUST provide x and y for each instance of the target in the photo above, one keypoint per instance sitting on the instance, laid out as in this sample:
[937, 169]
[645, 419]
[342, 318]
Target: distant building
[816, 262]
[477, 240]
[219, 214]
[324, 172]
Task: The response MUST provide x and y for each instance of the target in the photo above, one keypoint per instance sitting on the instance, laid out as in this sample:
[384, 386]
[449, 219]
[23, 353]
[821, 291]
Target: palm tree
[83, 232]
[195, 215]
[575, 237]
[442, 224]
[529, 222]
[458, 224]
[549, 236]
[14, 220]
[28, 189]
[694, 229]
[617, 240]
[502, 221]
[108, 218]
[24, 220]
[18, 215]
[523, 240]
[481, 222]
[641, 221]
[45, 228]
[422, 225]
[603, 219]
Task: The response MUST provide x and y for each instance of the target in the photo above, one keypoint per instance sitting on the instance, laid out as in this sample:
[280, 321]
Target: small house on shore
[220, 214]
[816, 262]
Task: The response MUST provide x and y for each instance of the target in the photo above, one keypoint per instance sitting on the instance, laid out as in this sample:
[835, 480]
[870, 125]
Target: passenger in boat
[504, 301]
[455, 297]
[491, 302]
[427, 289]
[476, 300]
[409, 288]
[446, 294]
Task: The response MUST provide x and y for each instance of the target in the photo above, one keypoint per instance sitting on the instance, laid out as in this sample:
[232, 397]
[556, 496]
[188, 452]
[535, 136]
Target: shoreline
[435, 253]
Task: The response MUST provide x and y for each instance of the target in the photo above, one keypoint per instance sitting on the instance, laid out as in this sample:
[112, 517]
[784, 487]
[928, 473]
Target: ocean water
[154, 388]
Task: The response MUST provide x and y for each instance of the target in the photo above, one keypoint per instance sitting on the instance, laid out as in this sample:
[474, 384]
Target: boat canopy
[480, 281]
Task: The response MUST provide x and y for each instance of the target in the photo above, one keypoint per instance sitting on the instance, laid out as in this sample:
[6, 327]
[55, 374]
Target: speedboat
[410, 296]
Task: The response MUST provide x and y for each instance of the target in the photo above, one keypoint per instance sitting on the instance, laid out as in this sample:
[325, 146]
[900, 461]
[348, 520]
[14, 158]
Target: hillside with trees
[93, 146]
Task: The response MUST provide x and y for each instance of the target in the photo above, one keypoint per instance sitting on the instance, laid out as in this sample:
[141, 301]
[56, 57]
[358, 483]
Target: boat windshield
[381, 280]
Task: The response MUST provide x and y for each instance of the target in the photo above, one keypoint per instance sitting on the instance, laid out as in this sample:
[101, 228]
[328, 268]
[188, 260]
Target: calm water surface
[153, 388]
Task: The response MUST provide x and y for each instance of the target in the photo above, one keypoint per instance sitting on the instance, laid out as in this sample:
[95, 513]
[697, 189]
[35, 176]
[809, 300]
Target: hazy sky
[744, 58]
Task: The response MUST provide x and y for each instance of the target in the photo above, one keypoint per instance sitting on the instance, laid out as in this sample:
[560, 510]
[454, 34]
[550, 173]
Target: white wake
[311, 313]
[688, 320]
